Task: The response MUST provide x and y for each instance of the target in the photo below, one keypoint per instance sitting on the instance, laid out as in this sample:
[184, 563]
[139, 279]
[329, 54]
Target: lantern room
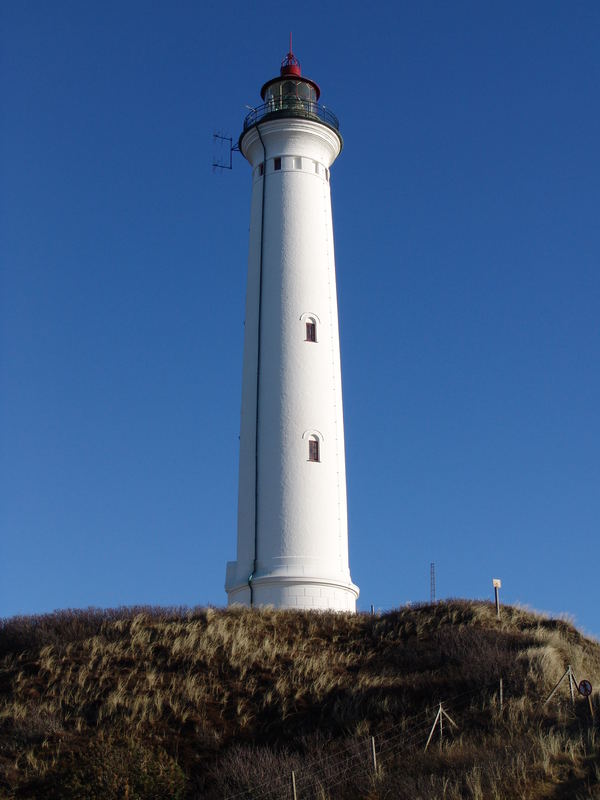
[289, 85]
[290, 94]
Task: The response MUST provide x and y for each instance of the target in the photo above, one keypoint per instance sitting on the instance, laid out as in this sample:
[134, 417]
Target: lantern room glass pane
[279, 91]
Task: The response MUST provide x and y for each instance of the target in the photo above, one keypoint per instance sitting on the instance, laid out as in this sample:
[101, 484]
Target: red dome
[290, 65]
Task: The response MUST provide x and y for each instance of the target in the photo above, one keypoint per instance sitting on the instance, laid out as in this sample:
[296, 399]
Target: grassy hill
[168, 703]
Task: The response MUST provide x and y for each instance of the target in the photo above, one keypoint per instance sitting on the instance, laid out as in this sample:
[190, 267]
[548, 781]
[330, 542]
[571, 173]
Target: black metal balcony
[292, 107]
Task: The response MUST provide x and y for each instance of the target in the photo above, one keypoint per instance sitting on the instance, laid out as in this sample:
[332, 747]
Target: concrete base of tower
[289, 592]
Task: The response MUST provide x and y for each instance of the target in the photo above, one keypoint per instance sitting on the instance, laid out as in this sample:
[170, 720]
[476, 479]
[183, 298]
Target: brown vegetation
[170, 703]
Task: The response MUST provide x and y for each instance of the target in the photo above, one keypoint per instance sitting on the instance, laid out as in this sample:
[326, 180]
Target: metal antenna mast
[223, 160]
[432, 581]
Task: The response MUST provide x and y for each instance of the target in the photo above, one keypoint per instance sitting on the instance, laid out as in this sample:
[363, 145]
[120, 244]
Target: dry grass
[173, 703]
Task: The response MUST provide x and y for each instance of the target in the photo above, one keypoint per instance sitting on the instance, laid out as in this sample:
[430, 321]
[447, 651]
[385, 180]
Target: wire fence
[366, 758]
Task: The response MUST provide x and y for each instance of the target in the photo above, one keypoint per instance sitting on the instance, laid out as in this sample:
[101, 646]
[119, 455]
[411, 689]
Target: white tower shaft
[292, 511]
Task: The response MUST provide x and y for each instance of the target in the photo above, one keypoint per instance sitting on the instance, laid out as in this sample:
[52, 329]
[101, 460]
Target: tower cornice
[287, 130]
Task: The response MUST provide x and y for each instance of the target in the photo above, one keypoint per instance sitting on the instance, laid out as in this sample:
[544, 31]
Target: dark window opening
[261, 169]
[313, 450]
[277, 163]
[311, 332]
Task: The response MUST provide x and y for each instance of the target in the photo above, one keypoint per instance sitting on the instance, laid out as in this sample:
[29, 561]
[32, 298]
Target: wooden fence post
[439, 718]
[571, 681]
[294, 796]
[374, 754]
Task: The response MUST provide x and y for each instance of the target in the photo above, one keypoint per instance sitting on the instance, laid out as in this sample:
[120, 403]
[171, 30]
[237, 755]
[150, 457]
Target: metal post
[497, 583]
[501, 695]
[432, 581]
[374, 754]
[441, 726]
[372, 610]
[294, 796]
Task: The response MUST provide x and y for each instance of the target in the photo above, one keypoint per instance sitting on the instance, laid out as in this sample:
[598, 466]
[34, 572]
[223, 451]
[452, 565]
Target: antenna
[432, 581]
[223, 151]
[291, 51]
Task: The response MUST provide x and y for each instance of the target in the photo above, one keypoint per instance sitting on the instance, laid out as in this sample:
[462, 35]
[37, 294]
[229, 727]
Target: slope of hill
[167, 703]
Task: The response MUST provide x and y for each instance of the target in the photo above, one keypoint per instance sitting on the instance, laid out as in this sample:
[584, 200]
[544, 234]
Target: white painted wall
[302, 553]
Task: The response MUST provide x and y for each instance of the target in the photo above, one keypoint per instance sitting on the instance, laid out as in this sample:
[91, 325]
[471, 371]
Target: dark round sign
[585, 688]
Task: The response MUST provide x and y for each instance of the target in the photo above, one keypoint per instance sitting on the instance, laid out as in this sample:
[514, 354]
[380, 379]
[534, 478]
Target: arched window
[311, 322]
[315, 444]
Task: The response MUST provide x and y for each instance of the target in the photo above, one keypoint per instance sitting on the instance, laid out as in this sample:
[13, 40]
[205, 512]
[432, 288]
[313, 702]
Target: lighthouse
[292, 542]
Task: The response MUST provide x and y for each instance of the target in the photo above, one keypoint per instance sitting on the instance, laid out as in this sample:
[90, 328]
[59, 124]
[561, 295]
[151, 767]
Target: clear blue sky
[466, 210]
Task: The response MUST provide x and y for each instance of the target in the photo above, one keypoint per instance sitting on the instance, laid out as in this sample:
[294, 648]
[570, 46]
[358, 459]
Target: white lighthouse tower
[292, 547]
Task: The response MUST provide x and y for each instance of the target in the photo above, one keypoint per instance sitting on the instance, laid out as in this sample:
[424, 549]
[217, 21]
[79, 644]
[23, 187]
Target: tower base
[289, 592]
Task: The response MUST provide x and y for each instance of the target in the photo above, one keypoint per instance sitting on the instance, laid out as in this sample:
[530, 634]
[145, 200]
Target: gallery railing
[292, 107]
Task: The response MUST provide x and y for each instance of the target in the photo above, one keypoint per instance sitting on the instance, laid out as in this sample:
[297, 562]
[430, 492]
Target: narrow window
[313, 449]
[261, 168]
[297, 163]
[277, 163]
[317, 167]
[311, 331]
[326, 174]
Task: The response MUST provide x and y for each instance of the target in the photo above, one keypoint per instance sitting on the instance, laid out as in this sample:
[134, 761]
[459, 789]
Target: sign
[496, 583]
[585, 688]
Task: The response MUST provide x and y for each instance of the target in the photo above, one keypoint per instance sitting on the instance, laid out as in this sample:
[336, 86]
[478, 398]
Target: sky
[465, 205]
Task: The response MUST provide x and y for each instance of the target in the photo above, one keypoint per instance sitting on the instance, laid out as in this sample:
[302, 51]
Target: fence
[370, 756]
